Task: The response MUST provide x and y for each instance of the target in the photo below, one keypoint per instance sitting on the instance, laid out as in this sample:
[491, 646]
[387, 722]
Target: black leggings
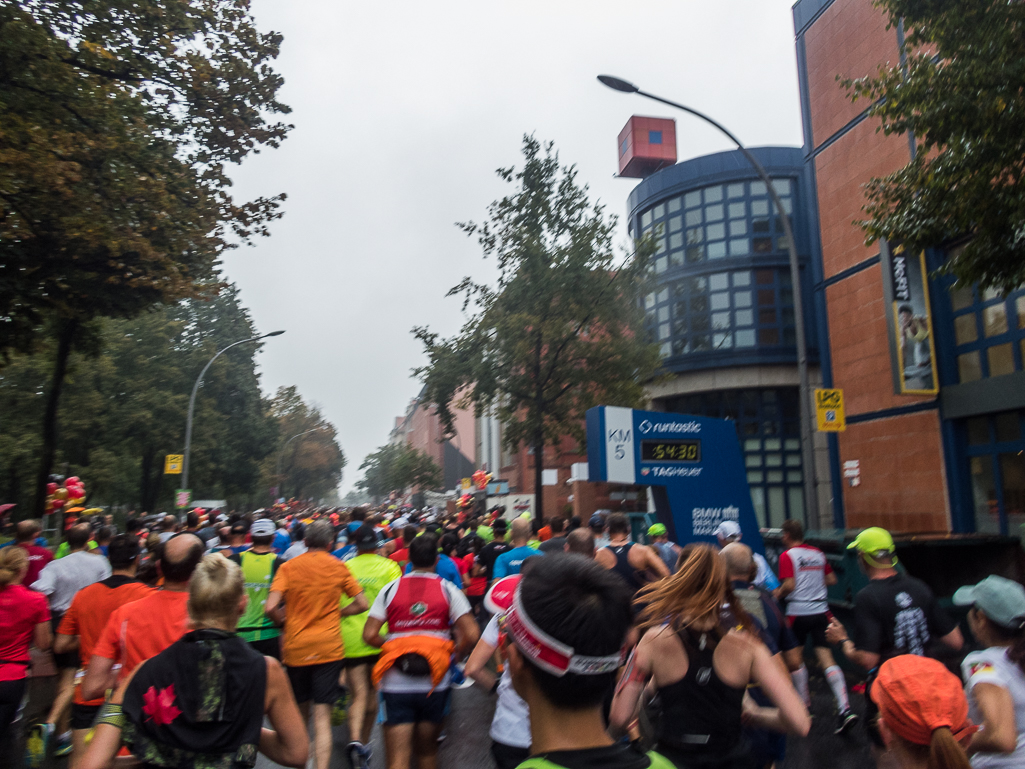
[11, 693]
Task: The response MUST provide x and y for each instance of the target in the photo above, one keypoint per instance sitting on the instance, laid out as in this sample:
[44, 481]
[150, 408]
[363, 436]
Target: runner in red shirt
[25, 533]
[85, 620]
[401, 555]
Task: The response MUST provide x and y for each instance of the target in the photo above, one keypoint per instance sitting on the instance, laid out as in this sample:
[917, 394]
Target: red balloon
[72, 480]
[58, 504]
[51, 487]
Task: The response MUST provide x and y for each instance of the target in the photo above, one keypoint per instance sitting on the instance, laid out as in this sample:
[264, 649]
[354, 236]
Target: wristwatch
[494, 686]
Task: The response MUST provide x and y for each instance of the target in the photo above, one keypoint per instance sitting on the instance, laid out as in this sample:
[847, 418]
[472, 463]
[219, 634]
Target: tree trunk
[150, 489]
[66, 330]
[539, 466]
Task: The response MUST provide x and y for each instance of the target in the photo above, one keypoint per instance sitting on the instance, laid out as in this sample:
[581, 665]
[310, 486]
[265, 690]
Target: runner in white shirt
[994, 677]
[805, 573]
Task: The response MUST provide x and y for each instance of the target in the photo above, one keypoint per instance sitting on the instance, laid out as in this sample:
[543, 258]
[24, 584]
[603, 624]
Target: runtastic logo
[646, 427]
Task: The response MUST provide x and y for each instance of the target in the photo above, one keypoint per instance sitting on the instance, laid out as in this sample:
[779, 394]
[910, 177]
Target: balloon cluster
[481, 479]
[70, 494]
[465, 501]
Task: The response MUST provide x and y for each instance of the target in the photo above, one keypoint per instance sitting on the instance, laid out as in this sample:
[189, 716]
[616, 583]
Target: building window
[989, 332]
[996, 464]
[767, 423]
[654, 137]
[733, 220]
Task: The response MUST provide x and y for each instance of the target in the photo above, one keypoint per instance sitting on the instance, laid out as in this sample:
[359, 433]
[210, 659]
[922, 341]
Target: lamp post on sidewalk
[811, 500]
[281, 452]
[192, 399]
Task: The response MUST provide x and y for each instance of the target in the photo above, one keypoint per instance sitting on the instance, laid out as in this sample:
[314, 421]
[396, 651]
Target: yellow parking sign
[173, 464]
[829, 411]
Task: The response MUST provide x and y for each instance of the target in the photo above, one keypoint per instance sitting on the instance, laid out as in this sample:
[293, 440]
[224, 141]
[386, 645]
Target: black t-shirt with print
[898, 615]
[489, 554]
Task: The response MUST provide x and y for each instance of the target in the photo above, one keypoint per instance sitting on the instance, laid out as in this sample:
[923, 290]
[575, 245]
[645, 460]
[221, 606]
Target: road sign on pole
[182, 497]
[173, 464]
[829, 411]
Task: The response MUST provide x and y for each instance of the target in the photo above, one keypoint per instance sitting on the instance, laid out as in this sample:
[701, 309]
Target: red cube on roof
[646, 144]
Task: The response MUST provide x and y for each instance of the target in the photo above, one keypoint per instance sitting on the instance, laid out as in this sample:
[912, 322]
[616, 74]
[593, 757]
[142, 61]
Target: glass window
[755, 476]
[742, 299]
[1001, 359]
[659, 211]
[768, 336]
[964, 328]
[777, 504]
[740, 247]
[762, 245]
[1012, 472]
[665, 349]
[661, 264]
[663, 314]
[676, 258]
[715, 231]
[978, 431]
[646, 219]
[994, 319]
[716, 250]
[718, 281]
[663, 295]
[675, 223]
[968, 368]
[984, 495]
[676, 241]
[738, 228]
[695, 235]
[743, 318]
[695, 254]
[759, 208]
[758, 188]
[742, 278]
[720, 320]
[674, 205]
[788, 205]
[737, 211]
[663, 331]
[722, 341]
[782, 244]
[782, 186]
[760, 226]
[660, 245]
[649, 300]
[1008, 426]
[720, 301]
[745, 338]
[714, 213]
[692, 199]
[713, 194]
[654, 137]
[735, 191]
[693, 217]
[961, 297]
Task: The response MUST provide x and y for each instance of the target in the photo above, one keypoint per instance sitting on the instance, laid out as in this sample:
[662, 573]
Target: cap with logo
[876, 545]
[596, 520]
[1000, 599]
[657, 530]
[728, 530]
[262, 528]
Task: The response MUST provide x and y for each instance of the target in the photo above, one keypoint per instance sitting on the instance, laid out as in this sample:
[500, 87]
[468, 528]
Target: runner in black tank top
[623, 567]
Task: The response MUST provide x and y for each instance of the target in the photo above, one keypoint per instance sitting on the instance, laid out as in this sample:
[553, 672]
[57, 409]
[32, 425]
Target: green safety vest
[258, 572]
[372, 572]
[657, 762]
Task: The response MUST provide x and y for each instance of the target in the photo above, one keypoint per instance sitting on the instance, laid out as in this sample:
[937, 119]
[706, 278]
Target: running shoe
[845, 721]
[359, 755]
[63, 745]
[37, 743]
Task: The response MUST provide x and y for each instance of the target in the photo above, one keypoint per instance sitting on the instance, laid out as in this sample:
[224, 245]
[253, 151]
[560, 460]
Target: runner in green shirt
[259, 565]
[373, 572]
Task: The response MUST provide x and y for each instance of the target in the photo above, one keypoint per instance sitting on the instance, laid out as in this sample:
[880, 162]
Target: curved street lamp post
[192, 400]
[807, 451]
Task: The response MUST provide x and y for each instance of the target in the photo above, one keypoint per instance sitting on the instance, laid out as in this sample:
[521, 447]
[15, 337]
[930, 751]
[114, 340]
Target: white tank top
[991, 666]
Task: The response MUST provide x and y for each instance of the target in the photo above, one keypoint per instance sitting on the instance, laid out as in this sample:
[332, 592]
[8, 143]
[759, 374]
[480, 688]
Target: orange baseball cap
[917, 695]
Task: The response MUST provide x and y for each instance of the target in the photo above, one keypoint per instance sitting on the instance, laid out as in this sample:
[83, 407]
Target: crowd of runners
[202, 642]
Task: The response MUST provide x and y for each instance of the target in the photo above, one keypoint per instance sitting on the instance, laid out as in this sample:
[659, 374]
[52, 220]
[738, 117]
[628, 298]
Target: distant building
[421, 428]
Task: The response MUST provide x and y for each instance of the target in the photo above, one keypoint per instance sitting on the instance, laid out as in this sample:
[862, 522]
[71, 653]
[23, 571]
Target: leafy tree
[397, 467]
[559, 332]
[117, 122]
[961, 95]
[308, 462]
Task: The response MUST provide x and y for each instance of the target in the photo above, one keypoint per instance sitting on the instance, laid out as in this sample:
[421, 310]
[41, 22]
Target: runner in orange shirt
[311, 585]
[144, 628]
[85, 620]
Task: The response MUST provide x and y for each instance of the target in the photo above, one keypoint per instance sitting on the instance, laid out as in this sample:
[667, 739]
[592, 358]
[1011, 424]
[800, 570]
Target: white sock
[800, 679]
[834, 676]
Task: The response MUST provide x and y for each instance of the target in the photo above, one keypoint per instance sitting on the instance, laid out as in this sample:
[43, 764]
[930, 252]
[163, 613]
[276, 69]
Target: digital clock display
[671, 451]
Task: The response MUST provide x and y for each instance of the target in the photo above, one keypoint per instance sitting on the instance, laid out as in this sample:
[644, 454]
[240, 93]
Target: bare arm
[778, 687]
[831, 578]
[476, 666]
[274, 608]
[287, 743]
[106, 739]
[653, 562]
[626, 705]
[372, 632]
[466, 632]
[42, 636]
[63, 644]
[358, 606]
[836, 633]
[998, 733]
[98, 678]
[786, 588]
[953, 639]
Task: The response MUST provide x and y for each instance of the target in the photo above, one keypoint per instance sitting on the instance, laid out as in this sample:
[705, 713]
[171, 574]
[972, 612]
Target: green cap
[1002, 600]
[657, 530]
[876, 545]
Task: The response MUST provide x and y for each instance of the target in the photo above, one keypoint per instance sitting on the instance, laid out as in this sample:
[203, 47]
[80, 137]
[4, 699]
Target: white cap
[728, 530]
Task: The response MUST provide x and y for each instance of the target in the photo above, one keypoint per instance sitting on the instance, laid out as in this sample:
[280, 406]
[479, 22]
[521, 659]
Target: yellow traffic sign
[466, 484]
[173, 464]
[829, 411]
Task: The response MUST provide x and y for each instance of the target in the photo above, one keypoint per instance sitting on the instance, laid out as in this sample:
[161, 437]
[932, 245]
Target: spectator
[214, 692]
[923, 713]
[312, 584]
[995, 677]
[24, 621]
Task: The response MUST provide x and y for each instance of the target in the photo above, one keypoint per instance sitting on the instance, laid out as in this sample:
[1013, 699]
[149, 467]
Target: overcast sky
[402, 112]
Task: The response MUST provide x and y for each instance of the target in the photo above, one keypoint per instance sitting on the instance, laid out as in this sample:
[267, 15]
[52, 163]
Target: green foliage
[125, 404]
[962, 97]
[560, 331]
[308, 462]
[397, 467]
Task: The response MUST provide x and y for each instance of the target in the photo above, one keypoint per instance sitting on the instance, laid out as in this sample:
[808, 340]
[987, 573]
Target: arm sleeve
[458, 605]
[379, 609]
[786, 566]
[490, 634]
[280, 582]
[980, 671]
[828, 569]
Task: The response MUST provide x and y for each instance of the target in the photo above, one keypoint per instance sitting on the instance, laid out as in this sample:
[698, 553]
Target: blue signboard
[693, 465]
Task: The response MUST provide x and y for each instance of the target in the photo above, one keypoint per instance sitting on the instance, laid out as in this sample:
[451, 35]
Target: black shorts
[355, 662]
[64, 660]
[813, 625]
[82, 716]
[316, 682]
[414, 707]
[268, 647]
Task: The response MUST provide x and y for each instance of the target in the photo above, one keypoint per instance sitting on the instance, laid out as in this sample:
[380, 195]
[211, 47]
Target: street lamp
[192, 399]
[807, 454]
[281, 451]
